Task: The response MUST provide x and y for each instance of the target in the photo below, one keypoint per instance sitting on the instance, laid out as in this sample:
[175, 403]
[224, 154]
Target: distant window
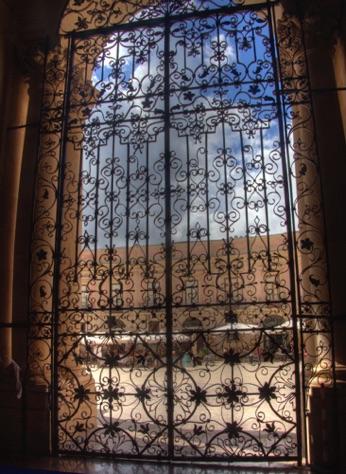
[232, 293]
[192, 323]
[191, 292]
[272, 289]
[236, 289]
[117, 294]
[84, 300]
[149, 297]
[271, 321]
[113, 323]
[154, 326]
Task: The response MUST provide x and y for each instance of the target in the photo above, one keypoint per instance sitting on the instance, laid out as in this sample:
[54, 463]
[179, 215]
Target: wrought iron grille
[179, 293]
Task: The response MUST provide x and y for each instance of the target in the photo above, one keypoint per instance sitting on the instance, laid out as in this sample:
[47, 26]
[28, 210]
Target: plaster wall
[22, 23]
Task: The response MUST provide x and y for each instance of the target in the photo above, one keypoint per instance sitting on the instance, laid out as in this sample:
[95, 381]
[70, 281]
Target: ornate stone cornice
[321, 19]
[31, 59]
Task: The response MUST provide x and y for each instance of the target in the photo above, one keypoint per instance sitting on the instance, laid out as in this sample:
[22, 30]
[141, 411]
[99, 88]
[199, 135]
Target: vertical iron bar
[147, 200]
[266, 204]
[227, 216]
[325, 248]
[78, 215]
[224, 148]
[40, 133]
[112, 202]
[56, 277]
[272, 21]
[168, 243]
[127, 233]
[188, 207]
[147, 203]
[207, 201]
[97, 194]
[245, 201]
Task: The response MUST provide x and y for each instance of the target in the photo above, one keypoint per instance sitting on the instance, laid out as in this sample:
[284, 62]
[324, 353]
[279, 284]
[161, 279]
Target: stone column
[13, 111]
[40, 161]
[316, 144]
[321, 21]
[19, 148]
[331, 142]
[320, 149]
[55, 160]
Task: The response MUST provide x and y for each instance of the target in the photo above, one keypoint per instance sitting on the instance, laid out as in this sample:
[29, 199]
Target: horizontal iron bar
[26, 125]
[13, 325]
[172, 19]
[329, 89]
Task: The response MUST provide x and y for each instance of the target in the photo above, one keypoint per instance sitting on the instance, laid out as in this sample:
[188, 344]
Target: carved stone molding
[31, 58]
[321, 19]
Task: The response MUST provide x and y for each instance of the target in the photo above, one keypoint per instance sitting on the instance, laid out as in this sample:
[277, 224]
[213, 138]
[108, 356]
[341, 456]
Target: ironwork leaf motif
[177, 185]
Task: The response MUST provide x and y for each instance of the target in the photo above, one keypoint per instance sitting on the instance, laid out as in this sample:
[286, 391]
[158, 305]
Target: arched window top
[169, 128]
[83, 15]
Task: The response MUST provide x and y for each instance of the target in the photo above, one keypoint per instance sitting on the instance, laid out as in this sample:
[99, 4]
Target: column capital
[31, 58]
[321, 19]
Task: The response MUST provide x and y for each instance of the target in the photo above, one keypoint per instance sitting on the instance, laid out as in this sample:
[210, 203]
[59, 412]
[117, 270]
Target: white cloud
[246, 198]
[221, 48]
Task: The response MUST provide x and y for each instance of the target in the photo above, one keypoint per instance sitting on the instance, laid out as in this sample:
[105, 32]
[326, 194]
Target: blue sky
[247, 165]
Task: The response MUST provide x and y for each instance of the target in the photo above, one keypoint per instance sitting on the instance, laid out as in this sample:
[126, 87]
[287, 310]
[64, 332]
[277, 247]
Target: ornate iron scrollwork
[165, 205]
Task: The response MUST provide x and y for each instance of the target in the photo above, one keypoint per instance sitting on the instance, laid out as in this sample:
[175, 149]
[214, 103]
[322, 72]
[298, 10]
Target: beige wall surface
[22, 24]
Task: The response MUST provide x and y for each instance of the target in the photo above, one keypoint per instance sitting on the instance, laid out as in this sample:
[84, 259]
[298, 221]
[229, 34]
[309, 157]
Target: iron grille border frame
[294, 248]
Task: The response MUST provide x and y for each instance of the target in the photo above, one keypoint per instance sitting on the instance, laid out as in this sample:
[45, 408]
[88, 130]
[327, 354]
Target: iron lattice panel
[178, 272]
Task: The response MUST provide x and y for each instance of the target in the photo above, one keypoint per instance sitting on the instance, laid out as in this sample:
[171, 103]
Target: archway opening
[174, 201]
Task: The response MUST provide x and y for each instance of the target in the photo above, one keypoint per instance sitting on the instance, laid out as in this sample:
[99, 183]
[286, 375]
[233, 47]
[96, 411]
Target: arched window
[178, 181]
